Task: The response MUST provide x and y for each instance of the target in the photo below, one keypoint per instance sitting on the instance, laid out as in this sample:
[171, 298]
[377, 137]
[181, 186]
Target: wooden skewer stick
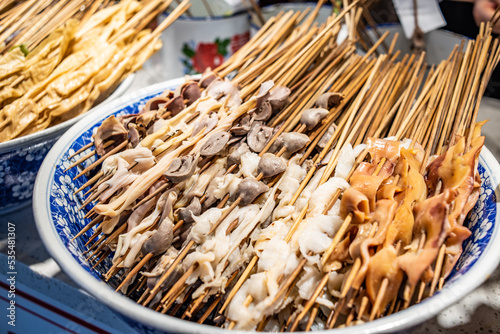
[89, 145]
[89, 182]
[101, 159]
[88, 227]
[310, 302]
[144, 260]
[378, 300]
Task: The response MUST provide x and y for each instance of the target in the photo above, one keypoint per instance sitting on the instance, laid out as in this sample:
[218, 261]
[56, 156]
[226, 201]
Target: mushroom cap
[311, 117]
[270, 165]
[215, 143]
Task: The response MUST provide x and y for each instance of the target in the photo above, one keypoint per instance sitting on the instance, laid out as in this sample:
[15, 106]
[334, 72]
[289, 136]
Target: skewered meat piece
[215, 143]
[207, 123]
[270, 165]
[264, 93]
[234, 157]
[155, 103]
[175, 105]
[329, 100]
[181, 168]
[311, 117]
[258, 136]
[278, 97]
[242, 126]
[191, 92]
[249, 189]
[207, 78]
[161, 240]
[110, 129]
[293, 141]
[431, 219]
[264, 112]
[186, 214]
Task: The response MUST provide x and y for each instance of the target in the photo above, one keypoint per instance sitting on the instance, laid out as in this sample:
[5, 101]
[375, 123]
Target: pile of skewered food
[317, 188]
[60, 73]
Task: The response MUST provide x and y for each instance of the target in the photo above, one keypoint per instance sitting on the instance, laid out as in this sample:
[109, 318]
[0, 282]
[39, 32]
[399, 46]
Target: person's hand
[483, 11]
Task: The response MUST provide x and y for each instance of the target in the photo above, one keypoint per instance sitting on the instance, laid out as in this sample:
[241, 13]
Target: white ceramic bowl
[21, 158]
[57, 219]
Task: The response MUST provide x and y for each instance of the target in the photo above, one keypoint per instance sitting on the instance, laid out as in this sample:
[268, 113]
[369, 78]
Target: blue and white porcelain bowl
[21, 158]
[58, 220]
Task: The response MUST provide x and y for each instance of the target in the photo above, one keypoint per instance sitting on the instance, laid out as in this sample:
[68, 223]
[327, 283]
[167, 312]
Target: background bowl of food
[20, 158]
[58, 221]
[81, 59]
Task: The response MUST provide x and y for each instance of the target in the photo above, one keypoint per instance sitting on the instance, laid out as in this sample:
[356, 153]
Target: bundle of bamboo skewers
[316, 188]
[59, 59]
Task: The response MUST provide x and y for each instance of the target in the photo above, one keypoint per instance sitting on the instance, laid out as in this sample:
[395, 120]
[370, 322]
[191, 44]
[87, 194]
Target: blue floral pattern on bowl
[18, 171]
[65, 221]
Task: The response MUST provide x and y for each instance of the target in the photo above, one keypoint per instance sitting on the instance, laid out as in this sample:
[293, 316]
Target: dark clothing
[459, 19]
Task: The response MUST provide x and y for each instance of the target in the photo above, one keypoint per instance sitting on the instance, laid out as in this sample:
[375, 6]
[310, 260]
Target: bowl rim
[59, 129]
[450, 294]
